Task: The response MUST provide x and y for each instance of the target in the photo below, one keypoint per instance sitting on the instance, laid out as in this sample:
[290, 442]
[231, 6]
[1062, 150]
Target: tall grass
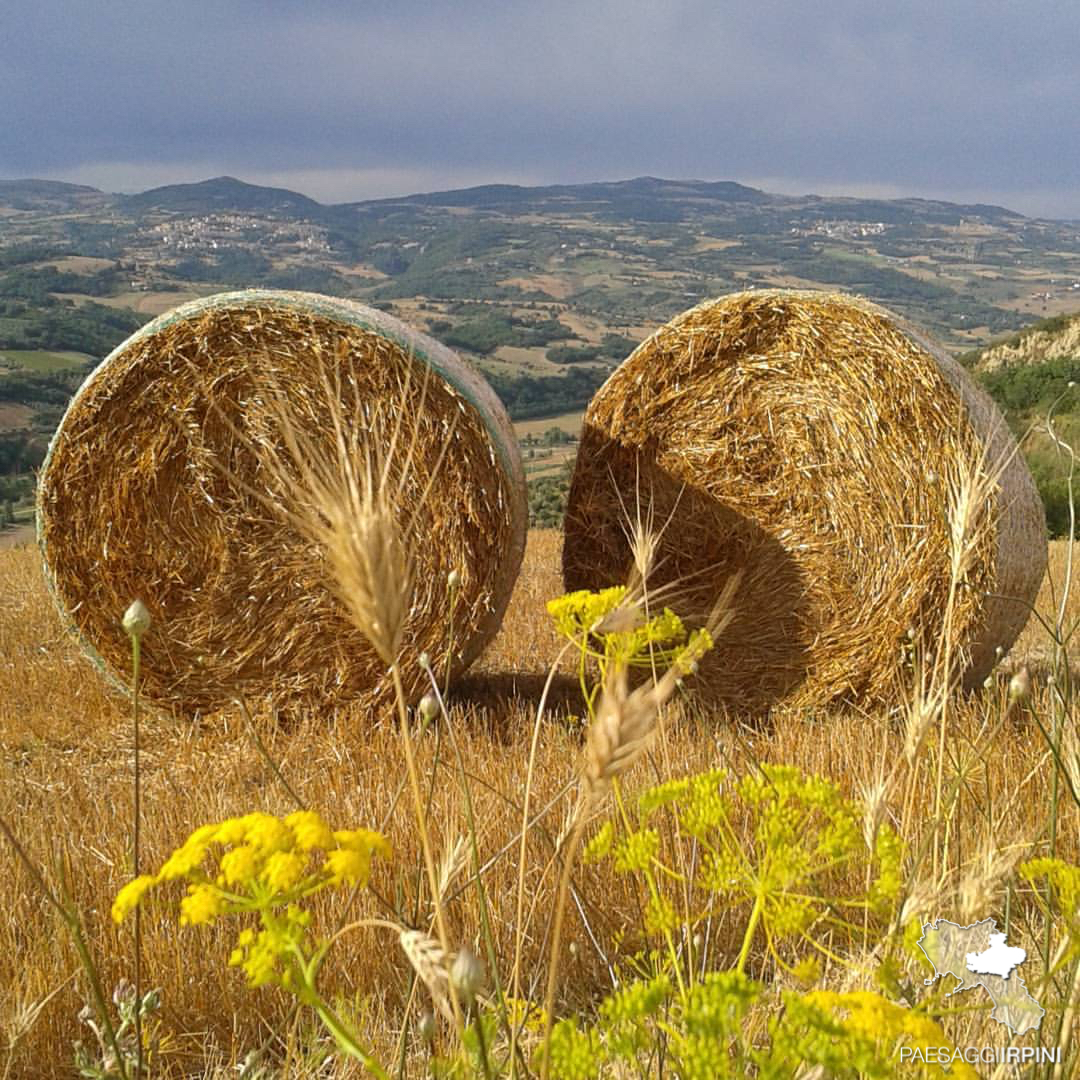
[486, 855]
[66, 769]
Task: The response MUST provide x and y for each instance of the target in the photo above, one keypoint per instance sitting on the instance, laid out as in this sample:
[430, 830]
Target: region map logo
[975, 956]
[978, 956]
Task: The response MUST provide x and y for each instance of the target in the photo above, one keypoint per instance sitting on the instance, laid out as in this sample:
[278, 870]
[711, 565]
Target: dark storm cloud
[946, 98]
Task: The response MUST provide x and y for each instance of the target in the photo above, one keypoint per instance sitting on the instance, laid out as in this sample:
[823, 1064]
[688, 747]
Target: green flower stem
[136, 655]
[751, 928]
[654, 891]
[308, 993]
[346, 1040]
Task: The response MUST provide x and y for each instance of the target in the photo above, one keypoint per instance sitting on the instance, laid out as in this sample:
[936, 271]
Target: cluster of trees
[37, 283]
[233, 266]
[547, 500]
[40, 387]
[15, 488]
[1032, 387]
[554, 436]
[614, 348]
[529, 396]
[19, 454]
[485, 333]
[61, 324]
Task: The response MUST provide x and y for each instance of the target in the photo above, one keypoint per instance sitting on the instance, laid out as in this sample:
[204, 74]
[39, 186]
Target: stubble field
[65, 791]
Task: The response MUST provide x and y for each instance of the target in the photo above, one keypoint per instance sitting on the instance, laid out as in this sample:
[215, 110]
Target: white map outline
[1014, 1007]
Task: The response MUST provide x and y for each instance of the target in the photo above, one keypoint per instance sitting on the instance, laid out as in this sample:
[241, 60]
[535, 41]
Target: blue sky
[959, 100]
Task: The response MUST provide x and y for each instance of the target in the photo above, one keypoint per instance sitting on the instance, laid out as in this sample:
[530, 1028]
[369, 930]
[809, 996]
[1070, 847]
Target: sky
[964, 100]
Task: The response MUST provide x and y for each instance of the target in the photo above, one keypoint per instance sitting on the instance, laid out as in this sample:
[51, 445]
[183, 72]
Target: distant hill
[51, 196]
[531, 283]
[645, 198]
[223, 194]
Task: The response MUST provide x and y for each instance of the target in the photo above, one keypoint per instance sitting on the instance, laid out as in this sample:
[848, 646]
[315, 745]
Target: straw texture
[164, 479]
[810, 441]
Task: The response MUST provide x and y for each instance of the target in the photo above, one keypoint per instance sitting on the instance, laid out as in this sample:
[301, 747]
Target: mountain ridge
[230, 193]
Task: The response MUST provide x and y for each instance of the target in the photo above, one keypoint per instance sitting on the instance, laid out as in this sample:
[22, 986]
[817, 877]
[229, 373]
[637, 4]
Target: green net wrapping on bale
[166, 476]
[809, 441]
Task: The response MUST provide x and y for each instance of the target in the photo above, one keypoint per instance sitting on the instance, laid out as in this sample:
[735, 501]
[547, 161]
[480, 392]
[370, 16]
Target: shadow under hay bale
[171, 479]
[813, 442]
[707, 543]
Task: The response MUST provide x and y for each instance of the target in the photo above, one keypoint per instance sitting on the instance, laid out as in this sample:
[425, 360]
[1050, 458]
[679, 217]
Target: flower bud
[425, 662]
[467, 974]
[453, 579]
[136, 620]
[1020, 685]
[425, 1026]
[429, 707]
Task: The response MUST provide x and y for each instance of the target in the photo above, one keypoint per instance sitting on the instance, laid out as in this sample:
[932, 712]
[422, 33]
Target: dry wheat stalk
[430, 962]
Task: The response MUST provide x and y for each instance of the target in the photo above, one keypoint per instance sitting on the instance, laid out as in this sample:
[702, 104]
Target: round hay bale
[165, 476]
[809, 441]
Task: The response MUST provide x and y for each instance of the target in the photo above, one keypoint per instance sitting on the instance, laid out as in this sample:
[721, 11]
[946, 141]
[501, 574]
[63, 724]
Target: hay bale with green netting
[813, 442]
[177, 476]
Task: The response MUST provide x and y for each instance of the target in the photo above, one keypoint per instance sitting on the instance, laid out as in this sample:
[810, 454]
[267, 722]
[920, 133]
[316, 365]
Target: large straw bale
[166, 474]
[809, 441]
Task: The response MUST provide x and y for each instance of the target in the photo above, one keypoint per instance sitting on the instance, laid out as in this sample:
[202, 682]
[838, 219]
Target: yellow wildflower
[348, 866]
[203, 904]
[577, 613]
[239, 865]
[183, 860]
[258, 959]
[127, 899]
[204, 834]
[363, 840]
[310, 830]
[283, 870]
[230, 831]
[268, 834]
[600, 845]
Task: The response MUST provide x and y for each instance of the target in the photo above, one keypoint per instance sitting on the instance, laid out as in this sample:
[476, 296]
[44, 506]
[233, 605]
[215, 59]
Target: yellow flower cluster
[268, 863]
[864, 1013]
[259, 954]
[578, 614]
[619, 623]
